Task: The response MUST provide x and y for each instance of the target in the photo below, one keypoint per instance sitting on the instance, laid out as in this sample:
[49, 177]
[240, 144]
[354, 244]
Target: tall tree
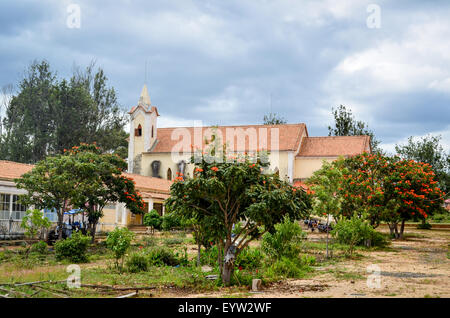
[429, 150]
[274, 119]
[49, 115]
[345, 124]
[28, 124]
[226, 193]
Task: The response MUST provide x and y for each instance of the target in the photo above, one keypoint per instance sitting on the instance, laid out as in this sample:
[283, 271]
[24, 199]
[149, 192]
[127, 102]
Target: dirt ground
[418, 266]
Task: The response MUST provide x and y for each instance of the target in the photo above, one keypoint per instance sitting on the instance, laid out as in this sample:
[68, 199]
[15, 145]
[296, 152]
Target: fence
[11, 229]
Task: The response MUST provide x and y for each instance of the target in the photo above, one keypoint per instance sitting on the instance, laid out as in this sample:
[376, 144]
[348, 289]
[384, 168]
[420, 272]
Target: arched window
[169, 174]
[138, 131]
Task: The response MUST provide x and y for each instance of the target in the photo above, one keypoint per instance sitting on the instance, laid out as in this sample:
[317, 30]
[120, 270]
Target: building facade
[293, 154]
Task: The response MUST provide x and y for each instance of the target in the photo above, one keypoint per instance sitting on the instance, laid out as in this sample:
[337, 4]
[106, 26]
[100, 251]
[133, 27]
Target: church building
[293, 154]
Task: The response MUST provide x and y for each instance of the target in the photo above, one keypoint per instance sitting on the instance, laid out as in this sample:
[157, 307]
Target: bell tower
[143, 130]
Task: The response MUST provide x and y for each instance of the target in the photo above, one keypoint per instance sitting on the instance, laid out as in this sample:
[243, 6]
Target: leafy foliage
[119, 241]
[353, 232]
[73, 248]
[285, 242]
[48, 115]
[35, 223]
[137, 262]
[429, 150]
[229, 189]
[153, 219]
[274, 119]
[346, 125]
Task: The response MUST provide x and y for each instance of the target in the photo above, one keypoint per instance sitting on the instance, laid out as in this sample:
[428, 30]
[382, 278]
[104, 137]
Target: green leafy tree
[35, 223]
[225, 191]
[274, 119]
[429, 150]
[119, 241]
[324, 186]
[345, 124]
[48, 115]
[153, 220]
[50, 184]
[101, 181]
[380, 188]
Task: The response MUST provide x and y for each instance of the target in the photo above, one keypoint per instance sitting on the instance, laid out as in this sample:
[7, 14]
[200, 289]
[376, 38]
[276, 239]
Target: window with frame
[138, 131]
[18, 210]
[4, 206]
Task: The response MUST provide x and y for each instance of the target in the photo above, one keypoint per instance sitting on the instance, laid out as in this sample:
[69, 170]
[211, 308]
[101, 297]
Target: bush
[172, 241]
[286, 241]
[161, 256]
[357, 231]
[170, 221]
[153, 219]
[73, 248]
[287, 268]
[249, 258]
[209, 256]
[119, 241]
[424, 226]
[137, 263]
[35, 223]
[39, 247]
[150, 241]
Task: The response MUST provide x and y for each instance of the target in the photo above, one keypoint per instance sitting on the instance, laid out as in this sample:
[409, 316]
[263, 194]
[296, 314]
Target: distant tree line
[48, 114]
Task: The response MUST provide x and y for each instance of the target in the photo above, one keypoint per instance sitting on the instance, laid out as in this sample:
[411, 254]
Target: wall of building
[304, 167]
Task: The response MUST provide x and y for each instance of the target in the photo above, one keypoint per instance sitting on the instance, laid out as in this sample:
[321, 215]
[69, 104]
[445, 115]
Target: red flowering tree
[414, 187]
[234, 194]
[101, 181]
[388, 189]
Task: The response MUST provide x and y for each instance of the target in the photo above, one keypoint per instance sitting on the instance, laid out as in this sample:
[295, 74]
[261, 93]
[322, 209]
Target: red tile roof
[334, 146]
[289, 137]
[10, 170]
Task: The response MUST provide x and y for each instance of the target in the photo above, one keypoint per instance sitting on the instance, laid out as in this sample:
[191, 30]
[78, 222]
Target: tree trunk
[227, 271]
[402, 228]
[60, 223]
[93, 227]
[199, 246]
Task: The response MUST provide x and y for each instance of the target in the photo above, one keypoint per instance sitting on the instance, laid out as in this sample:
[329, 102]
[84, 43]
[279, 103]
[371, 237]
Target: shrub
[170, 221]
[73, 248]
[39, 247]
[119, 241]
[424, 226]
[286, 241]
[172, 241]
[153, 219]
[209, 256]
[137, 263]
[356, 231]
[287, 268]
[150, 241]
[249, 258]
[161, 256]
[35, 223]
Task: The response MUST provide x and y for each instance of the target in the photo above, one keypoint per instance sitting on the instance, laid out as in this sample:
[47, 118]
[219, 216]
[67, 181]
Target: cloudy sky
[231, 62]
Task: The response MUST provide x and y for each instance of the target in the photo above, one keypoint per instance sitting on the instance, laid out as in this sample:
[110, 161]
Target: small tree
[226, 190]
[101, 181]
[50, 184]
[325, 184]
[274, 119]
[35, 223]
[153, 220]
[119, 241]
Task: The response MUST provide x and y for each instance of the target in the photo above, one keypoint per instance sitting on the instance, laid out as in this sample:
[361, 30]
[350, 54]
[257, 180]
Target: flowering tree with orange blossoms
[101, 181]
[226, 190]
[388, 189]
